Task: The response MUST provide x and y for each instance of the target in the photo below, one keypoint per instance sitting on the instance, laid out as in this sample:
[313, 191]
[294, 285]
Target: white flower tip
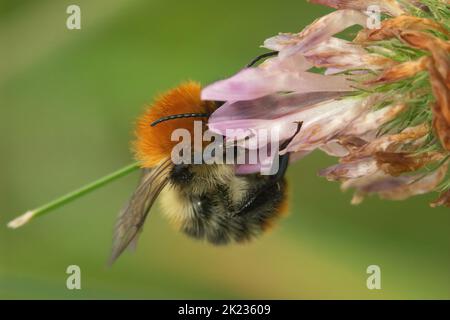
[21, 220]
[357, 199]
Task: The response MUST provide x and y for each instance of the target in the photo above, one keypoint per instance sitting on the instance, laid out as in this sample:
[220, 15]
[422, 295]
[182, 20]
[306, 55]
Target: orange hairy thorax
[153, 144]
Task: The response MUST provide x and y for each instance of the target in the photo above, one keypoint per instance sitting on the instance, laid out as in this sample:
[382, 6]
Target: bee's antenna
[206, 115]
[179, 116]
[264, 55]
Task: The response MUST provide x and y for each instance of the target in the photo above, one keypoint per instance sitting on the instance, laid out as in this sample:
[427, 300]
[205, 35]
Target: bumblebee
[205, 201]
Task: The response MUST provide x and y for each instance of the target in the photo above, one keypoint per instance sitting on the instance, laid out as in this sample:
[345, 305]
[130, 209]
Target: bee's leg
[262, 56]
[283, 160]
[283, 163]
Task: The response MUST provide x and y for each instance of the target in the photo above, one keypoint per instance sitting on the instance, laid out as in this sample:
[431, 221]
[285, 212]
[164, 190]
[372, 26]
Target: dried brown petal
[438, 48]
[373, 120]
[392, 27]
[442, 129]
[396, 163]
[416, 185]
[423, 40]
[441, 109]
[402, 71]
[389, 142]
[443, 200]
[351, 170]
[352, 142]
[396, 188]
[441, 93]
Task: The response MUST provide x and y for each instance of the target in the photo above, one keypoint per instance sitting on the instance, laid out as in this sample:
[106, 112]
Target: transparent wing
[132, 217]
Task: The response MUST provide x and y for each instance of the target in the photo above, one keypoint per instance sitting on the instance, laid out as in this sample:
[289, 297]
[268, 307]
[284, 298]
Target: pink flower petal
[242, 169]
[335, 149]
[324, 121]
[341, 54]
[374, 119]
[364, 128]
[320, 30]
[266, 113]
[273, 76]
[269, 107]
[323, 118]
[331, 71]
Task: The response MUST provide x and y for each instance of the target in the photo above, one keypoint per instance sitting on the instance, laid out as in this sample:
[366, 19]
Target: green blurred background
[68, 100]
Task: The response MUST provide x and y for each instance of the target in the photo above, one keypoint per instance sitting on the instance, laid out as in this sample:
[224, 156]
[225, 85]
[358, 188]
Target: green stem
[26, 217]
